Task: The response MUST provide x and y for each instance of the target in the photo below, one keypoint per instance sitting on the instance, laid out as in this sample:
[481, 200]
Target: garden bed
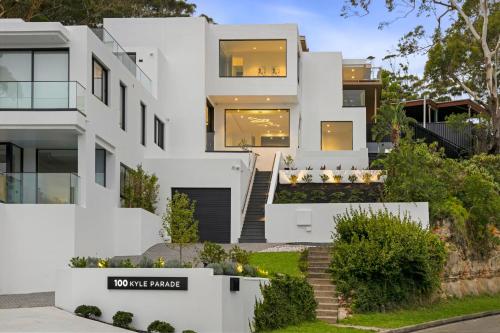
[328, 193]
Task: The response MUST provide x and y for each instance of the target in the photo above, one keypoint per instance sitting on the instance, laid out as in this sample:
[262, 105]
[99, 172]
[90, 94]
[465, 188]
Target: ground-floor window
[257, 128]
[124, 181]
[336, 135]
[100, 166]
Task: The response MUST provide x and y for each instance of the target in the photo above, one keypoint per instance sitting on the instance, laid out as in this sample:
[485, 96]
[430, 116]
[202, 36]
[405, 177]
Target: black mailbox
[234, 284]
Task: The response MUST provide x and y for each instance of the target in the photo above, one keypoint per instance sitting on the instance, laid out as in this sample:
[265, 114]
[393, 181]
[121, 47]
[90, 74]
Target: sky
[321, 23]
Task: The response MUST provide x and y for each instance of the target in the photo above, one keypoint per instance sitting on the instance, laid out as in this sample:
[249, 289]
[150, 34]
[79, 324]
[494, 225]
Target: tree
[141, 190]
[391, 120]
[91, 12]
[179, 222]
[399, 86]
[464, 53]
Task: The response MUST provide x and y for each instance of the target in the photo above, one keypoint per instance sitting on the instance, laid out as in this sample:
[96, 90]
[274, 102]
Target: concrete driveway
[482, 325]
[49, 319]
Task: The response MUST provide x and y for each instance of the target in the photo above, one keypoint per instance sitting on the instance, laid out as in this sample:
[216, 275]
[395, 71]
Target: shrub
[88, 311]
[173, 264]
[78, 262]
[249, 270]
[145, 262]
[294, 179]
[92, 262]
[286, 301]
[160, 327]
[381, 261]
[122, 319]
[217, 267]
[367, 177]
[141, 190]
[188, 331]
[125, 263]
[285, 196]
[317, 196]
[159, 262]
[229, 268]
[237, 254]
[304, 260]
[212, 253]
[307, 178]
[337, 178]
[352, 178]
[337, 197]
[324, 177]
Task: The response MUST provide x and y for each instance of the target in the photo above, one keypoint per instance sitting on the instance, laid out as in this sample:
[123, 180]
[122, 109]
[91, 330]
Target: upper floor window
[99, 81]
[252, 58]
[123, 106]
[336, 135]
[143, 124]
[100, 166]
[159, 133]
[257, 128]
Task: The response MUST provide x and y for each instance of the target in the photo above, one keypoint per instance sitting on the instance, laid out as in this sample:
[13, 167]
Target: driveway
[489, 324]
[49, 319]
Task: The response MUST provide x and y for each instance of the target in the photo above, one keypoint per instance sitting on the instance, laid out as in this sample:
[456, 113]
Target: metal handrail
[252, 167]
[274, 177]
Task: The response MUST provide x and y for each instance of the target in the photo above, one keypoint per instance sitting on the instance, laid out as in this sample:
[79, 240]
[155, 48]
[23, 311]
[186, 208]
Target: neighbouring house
[208, 108]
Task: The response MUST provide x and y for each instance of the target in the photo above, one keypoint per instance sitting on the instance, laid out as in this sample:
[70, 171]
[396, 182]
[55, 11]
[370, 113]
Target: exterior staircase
[254, 226]
[319, 278]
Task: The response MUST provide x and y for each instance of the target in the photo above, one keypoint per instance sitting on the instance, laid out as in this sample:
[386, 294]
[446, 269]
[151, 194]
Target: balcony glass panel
[354, 98]
[257, 128]
[361, 73]
[252, 58]
[39, 188]
[42, 95]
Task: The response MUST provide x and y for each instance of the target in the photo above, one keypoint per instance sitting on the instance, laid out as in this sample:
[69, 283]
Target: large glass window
[252, 58]
[100, 166]
[257, 128]
[99, 81]
[159, 133]
[353, 98]
[336, 135]
[57, 161]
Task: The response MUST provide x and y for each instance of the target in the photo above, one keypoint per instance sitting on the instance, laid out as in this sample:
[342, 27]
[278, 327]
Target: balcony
[354, 98]
[356, 74]
[123, 56]
[42, 95]
[39, 188]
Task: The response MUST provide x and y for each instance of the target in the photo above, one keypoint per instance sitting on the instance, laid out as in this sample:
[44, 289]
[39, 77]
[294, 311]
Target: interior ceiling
[262, 122]
[40, 138]
[230, 47]
[267, 101]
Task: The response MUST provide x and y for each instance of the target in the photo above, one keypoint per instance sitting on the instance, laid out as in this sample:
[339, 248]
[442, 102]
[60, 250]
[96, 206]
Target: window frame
[105, 167]
[123, 106]
[256, 39]
[143, 124]
[105, 84]
[336, 121]
[122, 190]
[159, 132]
[274, 109]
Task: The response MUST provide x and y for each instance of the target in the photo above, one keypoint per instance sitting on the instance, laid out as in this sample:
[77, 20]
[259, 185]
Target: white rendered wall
[314, 222]
[207, 306]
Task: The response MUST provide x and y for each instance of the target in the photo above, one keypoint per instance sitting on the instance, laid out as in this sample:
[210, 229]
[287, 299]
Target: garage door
[213, 211]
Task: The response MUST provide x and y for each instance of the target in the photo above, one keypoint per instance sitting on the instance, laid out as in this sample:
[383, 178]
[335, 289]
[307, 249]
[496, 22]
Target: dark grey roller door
[213, 211]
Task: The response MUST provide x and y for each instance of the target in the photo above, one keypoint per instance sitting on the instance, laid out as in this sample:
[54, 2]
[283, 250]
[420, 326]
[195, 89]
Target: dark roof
[448, 105]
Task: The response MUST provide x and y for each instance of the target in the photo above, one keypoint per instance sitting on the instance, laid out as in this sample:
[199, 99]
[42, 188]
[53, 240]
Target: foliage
[217, 267]
[317, 196]
[78, 262]
[398, 86]
[307, 178]
[337, 197]
[382, 261]
[286, 301]
[337, 178]
[367, 177]
[122, 319]
[391, 121]
[285, 196]
[141, 190]
[304, 260]
[463, 192]
[293, 179]
[288, 161]
[238, 255]
[145, 262]
[159, 326]
[490, 163]
[179, 222]
[452, 307]
[188, 331]
[352, 178]
[159, 263]
[212, 253]
[324, 177]
[125, 263]
[92, 12]
[88, 311]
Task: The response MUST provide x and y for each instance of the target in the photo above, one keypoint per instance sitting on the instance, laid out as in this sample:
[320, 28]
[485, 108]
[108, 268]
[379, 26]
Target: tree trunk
[495, 119]
[395, 135]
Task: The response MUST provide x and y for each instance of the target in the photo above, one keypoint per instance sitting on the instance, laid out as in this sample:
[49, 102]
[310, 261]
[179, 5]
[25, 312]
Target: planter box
[207, 305]
[310, 222]
[284, 175]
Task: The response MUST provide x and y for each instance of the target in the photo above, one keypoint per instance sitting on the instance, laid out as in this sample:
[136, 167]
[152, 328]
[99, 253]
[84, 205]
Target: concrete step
[328, 319]
[328, 306]
[326, 313]
[326, 299]
[323, 287]
[324, 265]
[319, 281]
[315, 275]
[324, 293]
[317, 269]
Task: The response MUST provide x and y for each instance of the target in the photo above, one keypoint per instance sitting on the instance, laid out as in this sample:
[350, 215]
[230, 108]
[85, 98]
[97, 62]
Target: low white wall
[35, 240]
[314, 222]
[135, 230]
[375, 175]
[207, 305]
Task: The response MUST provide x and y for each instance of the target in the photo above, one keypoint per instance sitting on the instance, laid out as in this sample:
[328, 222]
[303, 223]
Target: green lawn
[317, 327]
[277, 262]
[444, 309]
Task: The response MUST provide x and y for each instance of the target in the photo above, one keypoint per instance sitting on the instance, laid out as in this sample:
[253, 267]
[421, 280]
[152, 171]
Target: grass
[277, 262]
[316, 327]
[444, 309]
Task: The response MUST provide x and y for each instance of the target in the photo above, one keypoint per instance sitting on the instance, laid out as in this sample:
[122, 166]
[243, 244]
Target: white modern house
[207, 108]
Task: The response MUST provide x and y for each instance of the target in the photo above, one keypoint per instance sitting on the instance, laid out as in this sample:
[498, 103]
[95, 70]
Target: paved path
[27, 300]
[50, 319]
[489, 324]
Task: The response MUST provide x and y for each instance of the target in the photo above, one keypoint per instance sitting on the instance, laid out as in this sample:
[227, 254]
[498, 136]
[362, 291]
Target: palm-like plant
[391, 120]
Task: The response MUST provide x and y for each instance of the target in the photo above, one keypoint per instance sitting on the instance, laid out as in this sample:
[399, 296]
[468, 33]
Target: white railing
[251, 167]
[274, 177]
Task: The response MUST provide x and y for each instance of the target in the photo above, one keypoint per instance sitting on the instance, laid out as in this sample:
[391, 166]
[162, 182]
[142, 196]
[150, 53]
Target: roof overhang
[17, 33]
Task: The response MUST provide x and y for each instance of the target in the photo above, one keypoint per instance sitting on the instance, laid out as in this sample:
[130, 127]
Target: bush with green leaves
[159, 326]
[304, 260]
[88, 311]
[78, 262]
[217, 267]
[381, 261]
[145, 262]
[212, 253]
[286, 301]
[238, 255]
[122, 319]
[188, 331]
[285, 196]
[141, 190]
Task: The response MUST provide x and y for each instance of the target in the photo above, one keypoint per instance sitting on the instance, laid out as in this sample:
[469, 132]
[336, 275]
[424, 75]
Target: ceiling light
[241, 117]
[255, 48]
[328, 131]
[281, 116]
[352, 70]
[236, 98]
[281, 47]
[327, 125]
[238, 110]
[268, 99]
[278, 125]
[281, 131]
[353, 77]
[268, 131]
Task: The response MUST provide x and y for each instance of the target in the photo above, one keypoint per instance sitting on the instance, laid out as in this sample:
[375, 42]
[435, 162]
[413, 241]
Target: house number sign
[147, 283]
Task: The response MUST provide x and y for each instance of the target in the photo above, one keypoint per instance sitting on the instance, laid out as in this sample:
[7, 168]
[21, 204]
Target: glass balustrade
[39, 188]
[361, 73]
[42, 95]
